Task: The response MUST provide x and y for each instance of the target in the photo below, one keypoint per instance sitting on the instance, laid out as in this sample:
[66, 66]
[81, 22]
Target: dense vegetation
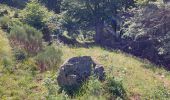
[37, 36]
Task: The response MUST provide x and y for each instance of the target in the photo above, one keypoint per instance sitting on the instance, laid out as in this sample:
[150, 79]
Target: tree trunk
[99, 32]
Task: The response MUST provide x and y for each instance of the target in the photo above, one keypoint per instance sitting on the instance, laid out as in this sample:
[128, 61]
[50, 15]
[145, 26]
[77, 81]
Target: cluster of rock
[77, 70]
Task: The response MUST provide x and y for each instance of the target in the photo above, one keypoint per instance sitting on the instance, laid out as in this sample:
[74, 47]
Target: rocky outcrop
[166, 1]
[77, 70]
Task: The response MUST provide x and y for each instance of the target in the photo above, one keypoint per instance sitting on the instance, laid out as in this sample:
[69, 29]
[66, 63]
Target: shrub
[94, 88]
[27, 38]
[3, 11]
[115, 88]
[20, 55]
[35, 14]
[50, 58]
[15, 22]
[4, 22]
[52, 87]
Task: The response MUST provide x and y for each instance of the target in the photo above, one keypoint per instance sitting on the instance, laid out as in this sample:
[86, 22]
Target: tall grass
[5, 50]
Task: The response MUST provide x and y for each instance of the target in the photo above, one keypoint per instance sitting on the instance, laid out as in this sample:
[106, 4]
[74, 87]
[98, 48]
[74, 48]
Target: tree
[52, 5]
[148, 33]
[35, 14]
[15, 3]
[91, 14]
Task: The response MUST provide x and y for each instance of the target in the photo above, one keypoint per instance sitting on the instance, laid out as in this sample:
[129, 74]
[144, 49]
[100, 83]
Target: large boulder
[166, 1]
[77, 70]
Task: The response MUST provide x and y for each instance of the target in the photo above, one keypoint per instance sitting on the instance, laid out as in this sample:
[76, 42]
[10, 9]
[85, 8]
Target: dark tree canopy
[52, 4]
[92, 13]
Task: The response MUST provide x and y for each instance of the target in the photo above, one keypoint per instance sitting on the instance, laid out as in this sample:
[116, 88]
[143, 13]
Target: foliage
[27, 38]
[52, 87]
[5, 51]
[115, 88]
[86, 36]
[138, 81]
[162, 92]
[146, 34]
[98, 12]
[94, 88]
[20, 55]
[21, 83]
[15, 3]
[3, 12]
[52, 4]
[4, 22]
[52, 28]
[49, 59]
[35, 14]
[149, 32]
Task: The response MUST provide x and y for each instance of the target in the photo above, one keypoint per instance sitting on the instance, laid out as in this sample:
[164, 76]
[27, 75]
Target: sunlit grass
[140, 78]
[5, 51]
[137, 79]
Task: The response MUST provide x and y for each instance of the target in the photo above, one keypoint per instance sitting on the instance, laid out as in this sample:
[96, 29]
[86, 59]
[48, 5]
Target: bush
[115, 88]
[4, 22]
[3, 12]
[35, 14]
[27, 38]
[94, 88]
[20, 55]
[52, 87]
[50, 58]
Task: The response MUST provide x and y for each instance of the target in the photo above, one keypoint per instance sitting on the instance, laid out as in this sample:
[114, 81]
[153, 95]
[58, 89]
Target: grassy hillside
[5, 49]
[30, 59]
[141, 79]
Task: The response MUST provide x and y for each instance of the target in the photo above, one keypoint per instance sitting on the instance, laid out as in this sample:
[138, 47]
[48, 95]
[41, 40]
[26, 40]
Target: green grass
[140, 78]
[139, 81]
[5, 51]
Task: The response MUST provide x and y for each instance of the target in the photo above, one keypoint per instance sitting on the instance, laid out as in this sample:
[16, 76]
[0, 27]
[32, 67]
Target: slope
[141, 79]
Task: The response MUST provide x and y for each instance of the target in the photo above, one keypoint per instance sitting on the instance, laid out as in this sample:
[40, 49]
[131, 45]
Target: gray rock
[77, 70]
[166, 1]
[99, 72]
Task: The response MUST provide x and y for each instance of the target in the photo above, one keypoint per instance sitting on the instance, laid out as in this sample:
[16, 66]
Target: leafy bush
[4, 22]
[20, 55]
[52, 87]
[115, 88]
[3, 12]
[50, 58]
[110, 89]
[35, 14]
[27, 38]
[94, 88]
